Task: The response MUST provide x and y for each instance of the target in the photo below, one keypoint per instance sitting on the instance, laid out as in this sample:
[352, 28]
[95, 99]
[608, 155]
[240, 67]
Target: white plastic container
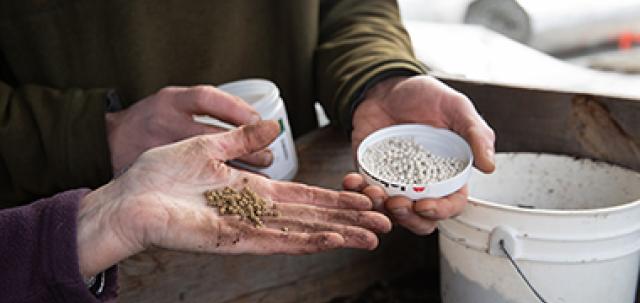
[573, 227]
[440, 142]
[264, 97]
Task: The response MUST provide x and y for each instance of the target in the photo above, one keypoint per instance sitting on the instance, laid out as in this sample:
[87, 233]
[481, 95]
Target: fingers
[481, 139]
[402, 211]
[199, 229]
[466, 121]
[354, 182]
[354, 237]
[208, 100]
[370, 220]
[243, 140]
[289, 192]
[444, 208]
[377, 195]
[421, 216]
[262, 158]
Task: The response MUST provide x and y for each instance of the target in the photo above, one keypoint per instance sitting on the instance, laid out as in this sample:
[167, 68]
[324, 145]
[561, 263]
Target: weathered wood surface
[166, 276]
[601, 128]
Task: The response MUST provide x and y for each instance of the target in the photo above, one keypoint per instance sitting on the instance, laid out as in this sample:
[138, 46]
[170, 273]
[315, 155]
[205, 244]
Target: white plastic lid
[261, 94]
[439, 141]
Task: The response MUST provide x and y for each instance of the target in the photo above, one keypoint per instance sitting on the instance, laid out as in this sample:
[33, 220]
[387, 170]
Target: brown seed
[245, 203]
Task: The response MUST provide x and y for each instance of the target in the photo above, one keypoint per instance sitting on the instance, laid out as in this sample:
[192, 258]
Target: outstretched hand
[425, 100]
[159, 201]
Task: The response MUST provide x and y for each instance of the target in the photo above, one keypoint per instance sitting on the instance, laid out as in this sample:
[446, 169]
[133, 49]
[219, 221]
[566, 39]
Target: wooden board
[580, 125]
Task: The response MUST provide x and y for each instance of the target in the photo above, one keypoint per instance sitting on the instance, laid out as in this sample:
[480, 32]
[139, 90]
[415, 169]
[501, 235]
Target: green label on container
[281, 122]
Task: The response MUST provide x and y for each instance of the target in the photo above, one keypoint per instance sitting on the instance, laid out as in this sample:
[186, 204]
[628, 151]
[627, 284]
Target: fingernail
[428, 213]
[255, 118]
[425, 231]
[377, 203]
[489, 153]
[267, 159]
[400, 212]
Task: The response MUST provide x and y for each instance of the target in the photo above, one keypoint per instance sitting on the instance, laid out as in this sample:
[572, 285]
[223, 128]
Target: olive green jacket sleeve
[358, 41]
[50, 141]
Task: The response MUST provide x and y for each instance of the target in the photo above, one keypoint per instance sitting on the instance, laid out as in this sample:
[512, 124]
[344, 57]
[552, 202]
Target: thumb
[481, 138]
[211, 101]
[468, 123]
[246, 139]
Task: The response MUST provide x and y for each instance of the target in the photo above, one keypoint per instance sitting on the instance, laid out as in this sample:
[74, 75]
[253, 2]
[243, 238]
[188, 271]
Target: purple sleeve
[38, 251]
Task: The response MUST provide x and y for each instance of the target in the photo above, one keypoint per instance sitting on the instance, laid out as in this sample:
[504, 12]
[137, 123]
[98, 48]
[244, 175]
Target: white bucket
[572, 226]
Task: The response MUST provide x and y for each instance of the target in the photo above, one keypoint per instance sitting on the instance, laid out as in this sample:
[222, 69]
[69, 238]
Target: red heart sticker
[418, 188]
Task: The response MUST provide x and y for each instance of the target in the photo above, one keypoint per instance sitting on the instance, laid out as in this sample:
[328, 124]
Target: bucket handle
[503, 242]
[509, 236]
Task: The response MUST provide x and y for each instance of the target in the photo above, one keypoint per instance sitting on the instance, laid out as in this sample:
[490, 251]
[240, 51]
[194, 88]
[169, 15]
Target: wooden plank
[166, 276]
[597, 127]
[325, 158]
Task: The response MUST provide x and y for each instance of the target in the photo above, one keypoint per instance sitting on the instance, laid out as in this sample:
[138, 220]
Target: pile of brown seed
[245, 203]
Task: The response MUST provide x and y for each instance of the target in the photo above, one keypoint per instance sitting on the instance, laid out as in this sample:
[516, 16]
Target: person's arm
[360, 43]
[369, 79]
[51, 140]
[53, 245]
[40, 254]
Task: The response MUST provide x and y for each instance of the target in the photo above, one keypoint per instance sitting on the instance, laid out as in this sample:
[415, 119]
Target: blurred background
[571, 45]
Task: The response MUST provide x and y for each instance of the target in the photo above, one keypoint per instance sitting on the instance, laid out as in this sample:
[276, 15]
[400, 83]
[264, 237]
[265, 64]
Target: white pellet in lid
[401, 159]
[415, 160]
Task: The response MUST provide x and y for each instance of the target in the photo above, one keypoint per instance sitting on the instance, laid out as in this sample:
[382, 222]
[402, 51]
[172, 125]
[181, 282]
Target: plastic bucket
[571, 226]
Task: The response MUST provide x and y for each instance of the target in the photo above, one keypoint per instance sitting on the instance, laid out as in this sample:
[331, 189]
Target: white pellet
[403, 160]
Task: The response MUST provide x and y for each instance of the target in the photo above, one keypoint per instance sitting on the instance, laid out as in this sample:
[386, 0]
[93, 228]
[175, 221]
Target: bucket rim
[556, 212]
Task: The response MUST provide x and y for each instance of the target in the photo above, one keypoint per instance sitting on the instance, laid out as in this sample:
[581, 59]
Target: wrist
[377, 96]
[103, 237]
[361, 94]
[382, 88]
[112, 121]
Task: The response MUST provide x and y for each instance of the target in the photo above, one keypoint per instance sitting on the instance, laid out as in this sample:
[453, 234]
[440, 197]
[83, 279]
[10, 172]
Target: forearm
[359, 41]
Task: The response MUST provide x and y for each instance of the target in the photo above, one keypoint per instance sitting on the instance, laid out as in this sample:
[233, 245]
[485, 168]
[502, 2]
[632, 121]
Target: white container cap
[440, 142]
[261, 94]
